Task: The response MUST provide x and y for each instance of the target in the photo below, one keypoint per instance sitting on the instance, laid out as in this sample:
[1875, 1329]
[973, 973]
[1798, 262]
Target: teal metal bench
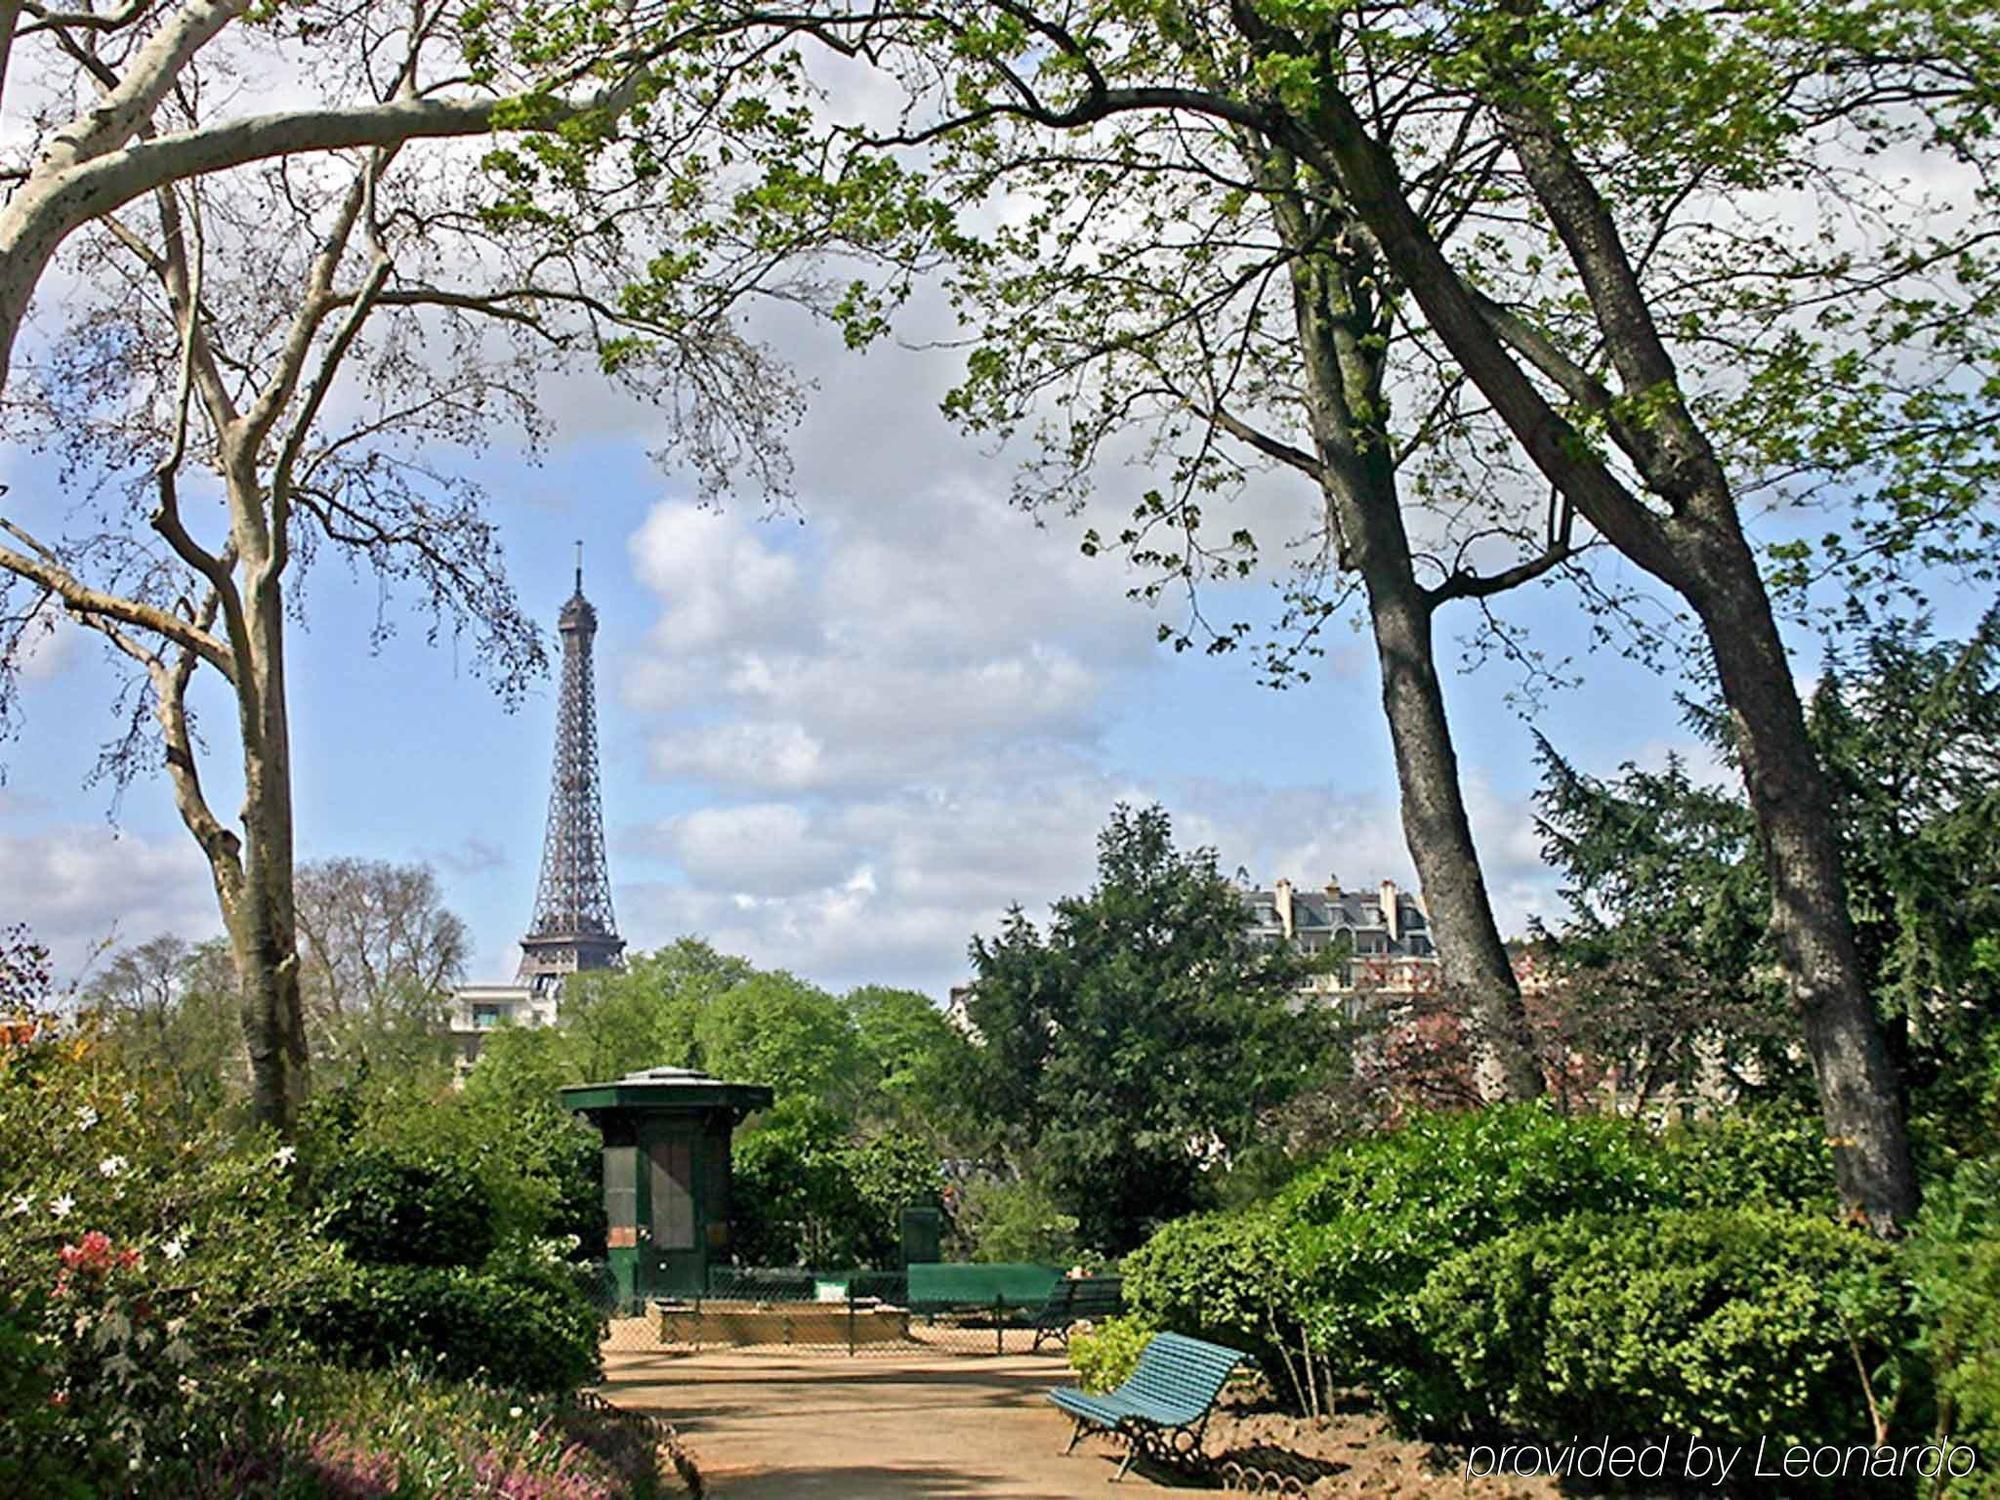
[1163, 1407]
[1078, 1299]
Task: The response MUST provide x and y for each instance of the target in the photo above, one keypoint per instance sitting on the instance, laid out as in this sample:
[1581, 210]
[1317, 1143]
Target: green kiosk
[666, 1175]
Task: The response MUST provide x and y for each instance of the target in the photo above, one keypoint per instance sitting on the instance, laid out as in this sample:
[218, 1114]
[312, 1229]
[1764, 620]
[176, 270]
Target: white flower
[282, 1157]
[24, 1204]
[186, 1385]
[277, 1398]
[111, 1166]
[59, 1207]
[513, 1411]
[85, 1117]
[173, 1249]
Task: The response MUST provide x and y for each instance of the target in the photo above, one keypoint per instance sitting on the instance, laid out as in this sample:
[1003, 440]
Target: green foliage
[1667, 945]
[145, 1270]
[777, 1030]
[527, 1319]
[1320, 1281]
[1143, 1035]
[1104, 1357]
[324, 1431]
[1225, 1277]
[1368, 1223]
[533, 1162]
[919, 1066]
[391, 1212]
[805, 1193]
[42, 1450]
[870, 1089]
[1014, 1222]
[171, 1013]
[1723, 1325]
[1955, 1262]
[1775, 1156]
[643, 1016]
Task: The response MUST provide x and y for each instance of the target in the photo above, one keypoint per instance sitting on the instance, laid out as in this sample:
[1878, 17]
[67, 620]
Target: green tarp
[936, 1285]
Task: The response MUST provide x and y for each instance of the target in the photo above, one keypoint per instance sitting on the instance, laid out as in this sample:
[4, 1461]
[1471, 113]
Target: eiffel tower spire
[573, 927]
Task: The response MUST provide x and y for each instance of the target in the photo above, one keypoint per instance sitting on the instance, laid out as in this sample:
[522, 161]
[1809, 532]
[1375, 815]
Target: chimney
[1281, 894]
[1333, 887]
[1392, 916]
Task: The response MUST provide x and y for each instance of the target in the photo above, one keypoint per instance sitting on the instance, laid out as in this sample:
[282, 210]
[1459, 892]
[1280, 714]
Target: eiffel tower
[573, 927]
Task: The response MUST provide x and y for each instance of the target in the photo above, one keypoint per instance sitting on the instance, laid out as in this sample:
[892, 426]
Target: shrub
[536, 1165]
[1220, 1276]
[1367, 1225]
[331, 1432]
[527, 1321]
[1955, 1262]
[143, 1267]
[390, 1211]
[1105, 1356]
[1773, 1157]
[1722, 1325]
[1318, 1284]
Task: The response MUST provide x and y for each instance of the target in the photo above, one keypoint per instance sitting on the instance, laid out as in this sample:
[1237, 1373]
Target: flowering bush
[143, 1271]
[358, 1435]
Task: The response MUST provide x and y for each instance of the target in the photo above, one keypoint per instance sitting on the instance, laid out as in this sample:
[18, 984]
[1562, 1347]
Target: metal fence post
[999, 1323]
[850, 1320]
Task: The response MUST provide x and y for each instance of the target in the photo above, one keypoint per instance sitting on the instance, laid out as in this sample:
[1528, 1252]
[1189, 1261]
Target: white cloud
[78, 886]
[768, 847]
[890, 885]
[721, 583]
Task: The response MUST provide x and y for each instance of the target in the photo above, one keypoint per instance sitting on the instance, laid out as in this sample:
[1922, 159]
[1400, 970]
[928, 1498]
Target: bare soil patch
[1350, 1453]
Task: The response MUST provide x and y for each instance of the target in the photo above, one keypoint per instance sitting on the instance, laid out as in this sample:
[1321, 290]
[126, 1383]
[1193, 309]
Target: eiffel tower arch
[573, 927]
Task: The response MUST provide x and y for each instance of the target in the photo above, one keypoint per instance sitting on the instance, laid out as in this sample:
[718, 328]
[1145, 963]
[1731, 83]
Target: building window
[486, 1017]
[621, 1189]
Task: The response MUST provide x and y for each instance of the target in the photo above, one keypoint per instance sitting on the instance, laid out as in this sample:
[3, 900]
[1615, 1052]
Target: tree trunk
[267, 951]
[1343, 377]
[1479, 976]
[1860, 1096]
[1701, 554]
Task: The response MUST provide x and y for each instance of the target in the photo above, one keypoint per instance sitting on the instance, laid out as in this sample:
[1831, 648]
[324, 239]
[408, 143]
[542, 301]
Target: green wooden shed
[666, 1175]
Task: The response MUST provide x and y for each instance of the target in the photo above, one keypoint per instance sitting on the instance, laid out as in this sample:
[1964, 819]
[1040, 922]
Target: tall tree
[1198, 291]
[1143, 1036]
[374, 937]
[278, 323]
[166, 1007]
[643, 1016]
[1665, 888]
[1631, 319]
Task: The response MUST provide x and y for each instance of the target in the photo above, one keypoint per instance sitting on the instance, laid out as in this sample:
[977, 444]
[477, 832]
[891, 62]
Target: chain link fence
[851, 1313]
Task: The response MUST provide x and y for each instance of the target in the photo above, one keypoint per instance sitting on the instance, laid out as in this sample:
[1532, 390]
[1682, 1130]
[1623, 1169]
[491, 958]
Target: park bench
[1078, 1299]
[1163, 1407]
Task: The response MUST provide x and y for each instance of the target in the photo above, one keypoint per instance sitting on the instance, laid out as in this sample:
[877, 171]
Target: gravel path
[771, 1425]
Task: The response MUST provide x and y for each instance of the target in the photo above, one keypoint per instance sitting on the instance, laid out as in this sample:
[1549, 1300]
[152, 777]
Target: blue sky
[839, 739]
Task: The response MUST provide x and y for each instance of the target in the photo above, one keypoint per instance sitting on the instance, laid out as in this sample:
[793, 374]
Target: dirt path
[767, 1425]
